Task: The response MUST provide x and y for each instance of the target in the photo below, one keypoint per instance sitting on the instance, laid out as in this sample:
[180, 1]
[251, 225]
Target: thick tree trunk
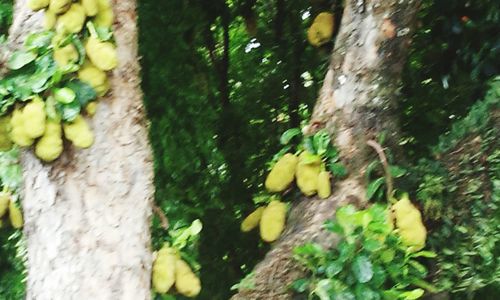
[356, 104]
[87, 214]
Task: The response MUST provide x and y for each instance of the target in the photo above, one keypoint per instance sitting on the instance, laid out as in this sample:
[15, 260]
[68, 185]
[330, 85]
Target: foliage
[369, 260]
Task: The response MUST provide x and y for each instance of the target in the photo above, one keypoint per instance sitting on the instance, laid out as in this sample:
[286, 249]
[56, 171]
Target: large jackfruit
[409, 224]
[90, 7]
[282, 174]
[34, 118]
[307, 172]
[273, 220]
[186, 282]
[66, 55]
[94, 77]
[18, 134]
[79, 133]
[101, 54]
[72, 20]
[59, 6]
[4, 203]
[15, 215]
[324, 185]
[321, 30]
[164, 269]
[252, 220]
[37, 4]
[104, 16]
[50, 146]
[5, 142]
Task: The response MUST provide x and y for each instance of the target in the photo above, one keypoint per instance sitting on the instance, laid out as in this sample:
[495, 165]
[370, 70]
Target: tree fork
[87, 214]
[356, 104]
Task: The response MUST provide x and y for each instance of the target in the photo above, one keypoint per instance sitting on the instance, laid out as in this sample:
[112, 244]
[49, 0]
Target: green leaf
[321, 141]
[414, 294]
[309, 158]
[373, 187]
[84, 93]
[428, 254]
[322, 289]
[64, 95]
[362, 269]
[333, 268]
[301, 285]
[344, 217]
[337, 169]
[20, 59]
[39, 40]
[363, 291]
[69, 111]
[396, 171]
[288, 135]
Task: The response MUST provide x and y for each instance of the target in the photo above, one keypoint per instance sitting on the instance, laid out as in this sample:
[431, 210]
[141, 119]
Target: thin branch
[383, 159]
[163, 218]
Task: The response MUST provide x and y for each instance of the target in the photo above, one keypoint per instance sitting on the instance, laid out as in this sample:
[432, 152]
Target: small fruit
[50, 20]
[15, 215]
[91, 108]
[252, 220]
[104, 16]
[321, 30]
[64, 56]
[90, 7]
[324, 185]
[186, 282]
[79, 133]
[34, 118]
[18, 134]
[59, 6]
[273, 220]
[282, 174]
[307, 172]
[164, 270]
[37, 4]
[4, 203]
[94, 77]
[5, 142]
[409, 224]
[101, 54]
[50, 146]
[72, 20]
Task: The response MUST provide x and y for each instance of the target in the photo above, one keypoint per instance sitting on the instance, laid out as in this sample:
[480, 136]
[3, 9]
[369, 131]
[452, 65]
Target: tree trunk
[87, 214]
[356, 104]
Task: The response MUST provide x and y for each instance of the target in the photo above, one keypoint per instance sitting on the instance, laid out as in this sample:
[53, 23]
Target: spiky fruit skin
[101, 54]
[186, 282]
[94, 77]
[4, 203]
[163, 276]
[104, 16]
[59, 6]
[5, 142]
[34, 118]
[50, 146]
[321, 30]
[324, 185]
[72, 20]
[37, 4]
[409, 224]
[15, 215]
[282, 174]
[252, 220]
[79, 133]
[272, 222]
[90, 7]
[49, 21]
[91, 108]
[18, 134]
[307, 174]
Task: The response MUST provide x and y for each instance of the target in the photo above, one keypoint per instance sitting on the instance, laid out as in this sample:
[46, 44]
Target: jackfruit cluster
[409, 224]
[271, 219]
[170, 269]
[7, 204]
[321, 30]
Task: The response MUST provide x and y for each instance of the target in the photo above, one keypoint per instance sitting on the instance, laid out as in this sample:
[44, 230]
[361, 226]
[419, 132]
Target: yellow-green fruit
[307, 173]
[4, 203]
[37, 4]
[252, 220]
[90, 7]
[79, 133]
[321, 30]
[164, 270]
[324, 185]
[50, 146]
[65, 55]
[18, 134]
[5, 142]
[105, 16]
[186, 282]
[49, 21]
[15, 215]
[282, 174]
[95, 77]
[34, 118]
[72, 21]
[59, 6]
[272, 222]
[101, 54]
[91, 108]
[409, 224]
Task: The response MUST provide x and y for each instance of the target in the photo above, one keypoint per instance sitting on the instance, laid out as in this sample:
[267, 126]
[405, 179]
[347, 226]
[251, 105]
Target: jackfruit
[66, 55]
[34, 118]
[49, 20]
[94, 77]
[307, 172]
[273, 220]
[321, 30]
[186, 282]
[4, 203]
[409, 224]
[164, 270]
[5, 142]
[59, 6]
[252, 220]
[79, 133]
[101, 54]
[91, 108]
[90, 7]
[50, 146]
[104, 16]
[18, 134]
[324, 185]
[15, 215]
[282, 174]
[72, 20]
[37, 4]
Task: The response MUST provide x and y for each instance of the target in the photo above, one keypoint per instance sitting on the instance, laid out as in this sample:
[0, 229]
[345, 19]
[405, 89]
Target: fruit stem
[383, 159]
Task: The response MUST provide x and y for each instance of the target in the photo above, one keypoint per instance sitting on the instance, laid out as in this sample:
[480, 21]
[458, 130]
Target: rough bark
[87, 214]
[356, 104]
